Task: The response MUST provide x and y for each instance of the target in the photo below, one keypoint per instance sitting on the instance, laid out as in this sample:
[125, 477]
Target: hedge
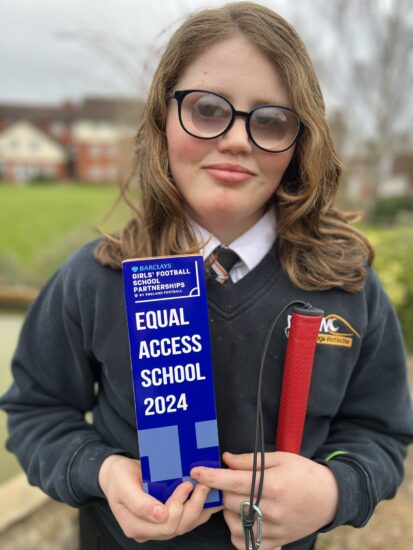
[394, 264]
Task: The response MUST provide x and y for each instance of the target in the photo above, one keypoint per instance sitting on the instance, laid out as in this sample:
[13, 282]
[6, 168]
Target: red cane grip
[299, 358]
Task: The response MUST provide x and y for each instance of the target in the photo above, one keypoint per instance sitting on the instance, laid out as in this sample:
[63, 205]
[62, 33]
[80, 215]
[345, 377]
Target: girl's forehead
[235, 67]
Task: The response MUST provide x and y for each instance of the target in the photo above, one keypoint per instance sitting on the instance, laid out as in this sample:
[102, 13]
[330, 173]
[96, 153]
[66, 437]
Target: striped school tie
[222, 260]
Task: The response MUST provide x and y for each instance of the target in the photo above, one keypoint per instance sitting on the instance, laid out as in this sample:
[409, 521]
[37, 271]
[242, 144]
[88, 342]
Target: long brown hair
[318, 247]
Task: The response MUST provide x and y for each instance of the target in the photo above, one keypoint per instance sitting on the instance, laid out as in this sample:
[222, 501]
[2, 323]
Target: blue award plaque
[169, 340]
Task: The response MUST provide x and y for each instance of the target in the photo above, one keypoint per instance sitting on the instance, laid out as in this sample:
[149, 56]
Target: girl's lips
[228, 173]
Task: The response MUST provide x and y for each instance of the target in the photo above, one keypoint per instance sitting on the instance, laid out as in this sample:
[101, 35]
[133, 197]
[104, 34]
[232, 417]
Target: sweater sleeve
[374, 424]
[54, 386]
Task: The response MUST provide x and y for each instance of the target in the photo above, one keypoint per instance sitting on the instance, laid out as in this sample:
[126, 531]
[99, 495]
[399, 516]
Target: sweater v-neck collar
[231, 299]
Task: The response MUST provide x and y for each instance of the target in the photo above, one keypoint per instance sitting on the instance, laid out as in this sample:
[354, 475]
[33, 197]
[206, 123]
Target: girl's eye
[273, 121]
[211, 109]
[266, 121]
[270, 121]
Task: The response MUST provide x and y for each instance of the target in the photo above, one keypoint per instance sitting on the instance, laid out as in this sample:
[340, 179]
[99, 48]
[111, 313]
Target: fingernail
[158, 512]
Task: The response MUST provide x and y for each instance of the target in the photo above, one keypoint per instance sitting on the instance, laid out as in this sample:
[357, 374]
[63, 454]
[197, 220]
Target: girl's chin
[221, 220]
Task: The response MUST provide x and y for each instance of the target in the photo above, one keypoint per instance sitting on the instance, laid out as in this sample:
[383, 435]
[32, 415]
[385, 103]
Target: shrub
[394, 264]
[388, 211]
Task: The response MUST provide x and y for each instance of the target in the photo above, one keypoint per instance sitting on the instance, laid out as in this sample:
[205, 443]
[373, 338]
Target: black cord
[249, 519]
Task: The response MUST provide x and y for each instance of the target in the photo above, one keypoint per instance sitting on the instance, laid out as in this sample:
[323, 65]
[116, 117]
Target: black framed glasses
[207, 115]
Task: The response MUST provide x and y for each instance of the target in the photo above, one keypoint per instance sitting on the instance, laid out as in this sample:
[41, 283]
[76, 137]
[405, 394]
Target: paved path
[9, 331]
[390, 528]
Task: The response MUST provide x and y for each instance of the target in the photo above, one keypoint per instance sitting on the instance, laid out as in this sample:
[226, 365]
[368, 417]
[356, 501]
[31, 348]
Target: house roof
[124, 111]
[37, 114]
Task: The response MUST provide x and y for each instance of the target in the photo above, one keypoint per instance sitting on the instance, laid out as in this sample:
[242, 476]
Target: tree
[366, 65]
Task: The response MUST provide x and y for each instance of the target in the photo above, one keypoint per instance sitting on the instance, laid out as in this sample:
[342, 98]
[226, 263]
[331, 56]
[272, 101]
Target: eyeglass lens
[207, 115]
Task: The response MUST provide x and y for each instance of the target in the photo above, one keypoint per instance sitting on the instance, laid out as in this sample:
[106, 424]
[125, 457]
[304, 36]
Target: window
[49, 171]
[95, 150]
[111, 173]
[113, 150]
[24, 172]
[95, 173]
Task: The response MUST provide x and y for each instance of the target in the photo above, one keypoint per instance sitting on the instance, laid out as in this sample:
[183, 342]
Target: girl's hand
[299, 496]
[143, 517]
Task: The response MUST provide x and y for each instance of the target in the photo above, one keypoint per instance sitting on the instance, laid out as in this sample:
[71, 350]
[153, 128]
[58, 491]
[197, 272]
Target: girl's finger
[246, 461]
[175, 503]
[232, 501]
[138, 528]
[144, 530]
[226, 480]
[194, 513]
[144, 507]
[234, 523]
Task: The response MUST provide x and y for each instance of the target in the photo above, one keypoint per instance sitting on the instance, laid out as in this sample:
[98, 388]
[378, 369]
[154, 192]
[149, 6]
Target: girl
[234, 149]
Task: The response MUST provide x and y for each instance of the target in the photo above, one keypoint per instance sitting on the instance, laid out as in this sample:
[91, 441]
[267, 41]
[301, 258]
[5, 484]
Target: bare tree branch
[368, 69]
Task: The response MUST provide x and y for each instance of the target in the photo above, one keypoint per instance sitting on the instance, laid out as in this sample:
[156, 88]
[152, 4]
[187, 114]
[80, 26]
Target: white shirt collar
[251, 246]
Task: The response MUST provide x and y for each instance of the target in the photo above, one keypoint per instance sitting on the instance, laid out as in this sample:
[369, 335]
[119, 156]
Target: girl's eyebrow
[258, 100]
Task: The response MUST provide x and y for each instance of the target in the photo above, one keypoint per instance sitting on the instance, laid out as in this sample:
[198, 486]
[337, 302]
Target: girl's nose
[236, 139]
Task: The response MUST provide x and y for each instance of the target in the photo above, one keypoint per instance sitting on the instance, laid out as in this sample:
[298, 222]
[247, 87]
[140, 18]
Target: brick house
[26, 153]
[94, 140]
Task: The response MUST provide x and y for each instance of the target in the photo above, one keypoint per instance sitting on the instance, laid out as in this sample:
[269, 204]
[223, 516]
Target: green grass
[40, 225]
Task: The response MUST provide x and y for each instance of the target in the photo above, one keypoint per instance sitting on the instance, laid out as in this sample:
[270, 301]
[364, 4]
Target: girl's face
[227, 181]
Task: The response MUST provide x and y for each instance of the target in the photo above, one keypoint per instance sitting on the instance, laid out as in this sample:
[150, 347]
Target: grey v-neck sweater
[73, 357]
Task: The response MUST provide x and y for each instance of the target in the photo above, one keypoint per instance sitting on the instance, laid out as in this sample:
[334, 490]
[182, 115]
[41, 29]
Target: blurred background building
[88, 142]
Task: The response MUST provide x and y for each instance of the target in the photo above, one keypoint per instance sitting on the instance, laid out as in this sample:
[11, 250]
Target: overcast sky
[51, 50]
[56, 50]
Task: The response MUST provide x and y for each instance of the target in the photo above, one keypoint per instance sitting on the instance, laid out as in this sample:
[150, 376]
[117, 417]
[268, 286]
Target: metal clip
[245, 519]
